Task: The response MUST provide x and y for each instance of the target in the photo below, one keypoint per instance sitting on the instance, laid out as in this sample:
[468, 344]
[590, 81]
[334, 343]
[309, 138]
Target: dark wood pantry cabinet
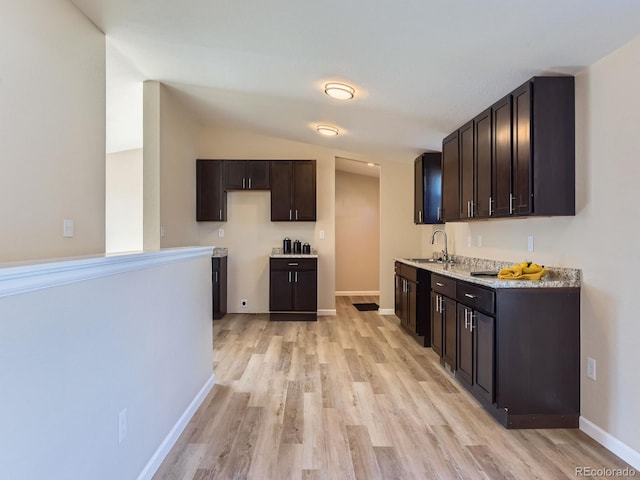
[293, 190]
[211, 198]
[427, 188]
[247, 175]
[293, 288]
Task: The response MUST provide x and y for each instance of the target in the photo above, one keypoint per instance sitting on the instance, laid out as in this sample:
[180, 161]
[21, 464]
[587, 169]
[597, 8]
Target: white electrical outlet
[479, 240]
[122, 425]
[67, 228]
[591, 368]
[220, 232]
[530, 243]
[244, 303]
[321, 234]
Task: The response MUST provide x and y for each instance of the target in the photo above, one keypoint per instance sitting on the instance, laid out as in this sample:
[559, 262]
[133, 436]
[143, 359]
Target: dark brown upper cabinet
[467, 178]
[247, 175]
[482, 130]
[516, 158]
[427, 188]
[293, 190]
[450, 178]
[501, 162]
[211, 198]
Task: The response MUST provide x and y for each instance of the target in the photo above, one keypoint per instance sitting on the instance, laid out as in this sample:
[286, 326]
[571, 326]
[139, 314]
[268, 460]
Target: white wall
[602, 239]
[52, 120]
[73, 356]
[123, 181]
[357, 232]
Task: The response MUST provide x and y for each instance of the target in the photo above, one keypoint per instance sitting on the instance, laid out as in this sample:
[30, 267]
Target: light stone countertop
[277, 253]
[220, 252]
[463, 266]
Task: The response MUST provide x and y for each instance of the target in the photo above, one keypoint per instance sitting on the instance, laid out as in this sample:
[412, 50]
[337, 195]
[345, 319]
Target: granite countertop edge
[558, 277]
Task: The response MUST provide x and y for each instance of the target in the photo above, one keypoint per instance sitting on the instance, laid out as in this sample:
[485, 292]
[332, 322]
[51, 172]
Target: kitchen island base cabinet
[293, 289]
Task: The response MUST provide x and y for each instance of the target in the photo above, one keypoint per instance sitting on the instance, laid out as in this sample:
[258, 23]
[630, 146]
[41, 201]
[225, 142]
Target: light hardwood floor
[353, 397]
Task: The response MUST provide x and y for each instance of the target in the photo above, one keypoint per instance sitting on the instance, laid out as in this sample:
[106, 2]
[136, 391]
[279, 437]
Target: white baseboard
[386, 311]
[358, 294]
[611, 443]
[161, 453]
[327, 312]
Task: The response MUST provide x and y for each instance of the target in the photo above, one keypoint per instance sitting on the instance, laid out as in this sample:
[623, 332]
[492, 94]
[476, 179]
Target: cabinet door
[450, 185]
[211, 199]
[418, 191]
[465, 344]
[258, 175]
[436, 324]
[450, 331]
[484, 355]
[412, 301]
[281, 190]
[305, 290]
[280, 291]
[304, 190]
[235, 175]
[466, 170]
[502, 155]
[522, 203]
[398, 295]
[482, 134]
[219, 284]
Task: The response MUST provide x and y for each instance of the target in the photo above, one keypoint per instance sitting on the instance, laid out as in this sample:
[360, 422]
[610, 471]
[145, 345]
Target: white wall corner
[611, 443]
[161, 453]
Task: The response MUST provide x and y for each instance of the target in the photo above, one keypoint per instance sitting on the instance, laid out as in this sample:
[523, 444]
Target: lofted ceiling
[420, 67]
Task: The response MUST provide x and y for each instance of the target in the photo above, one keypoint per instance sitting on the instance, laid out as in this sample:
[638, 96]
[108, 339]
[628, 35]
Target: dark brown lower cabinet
[219, 286]
[293, 289]
[517, 350]
[412, 302]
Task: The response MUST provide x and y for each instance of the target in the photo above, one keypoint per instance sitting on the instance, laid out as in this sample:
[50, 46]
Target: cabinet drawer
[292, 264]
[409, 272]
[476, 297]
[444, 285]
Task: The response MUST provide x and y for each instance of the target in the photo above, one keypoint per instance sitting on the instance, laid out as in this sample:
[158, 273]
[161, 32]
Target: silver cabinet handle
[296, 277]
[473, 204]
[289, 214]
[466, 318]
[439, 304]
[468, 295]
[511, 197]
[216, 276]
[293, 264]
[420, 217]
[220, 214]
[490, 202]
[296, 214]
[438, 213]
[440, 284]
[249, 183]
[289, 277]
[468, 208]
[442, 304]
[243, 184]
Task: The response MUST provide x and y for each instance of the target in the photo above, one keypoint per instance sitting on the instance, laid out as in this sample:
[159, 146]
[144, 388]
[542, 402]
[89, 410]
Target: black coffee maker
[286, 245]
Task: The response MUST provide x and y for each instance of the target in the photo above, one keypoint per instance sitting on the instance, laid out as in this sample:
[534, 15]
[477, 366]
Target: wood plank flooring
[353, 397]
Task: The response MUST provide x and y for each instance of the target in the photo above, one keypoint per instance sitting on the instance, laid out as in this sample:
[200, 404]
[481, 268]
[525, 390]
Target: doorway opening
[357, 220]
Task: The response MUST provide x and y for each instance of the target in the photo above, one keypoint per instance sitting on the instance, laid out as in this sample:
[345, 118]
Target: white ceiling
[421, 67]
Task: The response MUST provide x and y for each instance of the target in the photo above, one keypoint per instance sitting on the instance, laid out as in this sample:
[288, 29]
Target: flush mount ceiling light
[340, 91]
[327, 130]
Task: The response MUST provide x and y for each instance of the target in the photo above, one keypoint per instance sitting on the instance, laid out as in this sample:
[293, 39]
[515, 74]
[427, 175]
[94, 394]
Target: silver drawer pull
[468, 295]
[440, 284]
[293, 264]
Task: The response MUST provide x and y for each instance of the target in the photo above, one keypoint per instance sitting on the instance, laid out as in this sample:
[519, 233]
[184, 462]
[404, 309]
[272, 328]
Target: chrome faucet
[445, 253]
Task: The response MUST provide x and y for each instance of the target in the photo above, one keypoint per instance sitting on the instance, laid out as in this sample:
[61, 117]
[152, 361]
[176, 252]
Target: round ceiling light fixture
[341, 91]
[327, 130]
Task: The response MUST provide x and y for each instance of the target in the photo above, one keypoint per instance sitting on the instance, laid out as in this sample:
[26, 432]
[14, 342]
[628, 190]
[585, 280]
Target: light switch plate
[530, 243]
[220, 232]
[321, 234]
[591, 368]
[67, 228]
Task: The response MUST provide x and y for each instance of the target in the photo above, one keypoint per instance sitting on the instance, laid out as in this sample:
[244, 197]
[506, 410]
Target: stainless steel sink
[424, 260]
